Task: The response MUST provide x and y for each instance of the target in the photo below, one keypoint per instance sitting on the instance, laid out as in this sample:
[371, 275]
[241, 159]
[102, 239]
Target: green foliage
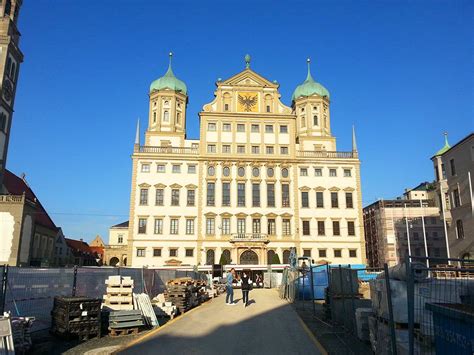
[223, 260]
[275, 259]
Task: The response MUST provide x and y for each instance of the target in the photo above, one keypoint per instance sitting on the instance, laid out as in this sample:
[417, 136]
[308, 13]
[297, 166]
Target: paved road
[267, 326]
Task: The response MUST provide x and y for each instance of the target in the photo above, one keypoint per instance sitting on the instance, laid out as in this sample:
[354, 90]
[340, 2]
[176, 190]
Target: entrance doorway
[249, 257]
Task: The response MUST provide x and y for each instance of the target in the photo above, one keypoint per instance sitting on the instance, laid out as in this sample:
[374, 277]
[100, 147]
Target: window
[178, 118]
[241, 171]
[334, 200]
[286, 226]
[160, 196]
[160, 168]
[211, 148]
[285, 195]
[304, 199]
[191, 169]
[241, 194]
[145, 168]
[456, 199]
[143, 197]
[319, 199]
[255, 195]
[140, 252]
[318, 172]
[332, 172]
[286, 256]
[211, 192]
[119, 240]
[174, 226]
[256, 226]
[270, 195]
[241, 149]
[3, 122]
[225, 194]
[315, 120]
[189, 253]
[158, 226]
[321, 229]
[453, 167]
[337, 253]
[350, 228]
[226, 107]
[304, 172]
[459, 229]
[255, 172]
[154, 117]
[283, 129]
[241, 229]
[175, 197]
[157, 252]
[268, 128]
[443, 171]
[211, 171]
[349, 202]
[210, 226]
[225, 226]
[142, 226]
[352, 253]
[166, 116]
[255, 128]
[269, 149]
[173, 252]
[347, 173]
[336, 230]
[176, 169]
[226, 127]
[268, 108]
[284, 173]
[307, 253]
[226, 171]
[190, 226]
[191, 198]
[211, 127]
[270, 172]
[271, 227]
[226, 148]
[303, 121]
[240, 127]
[255, 149]
[284, 150]
[322, 253]
[306, 228]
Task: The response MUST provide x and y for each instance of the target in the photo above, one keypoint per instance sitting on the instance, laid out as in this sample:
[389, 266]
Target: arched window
[303, 123]
[226, 255]
[166, 116]
[270, 255]
[178, 118]
[226, 97]
[154, 117]
[210, 257]
[268, 102]
[167, 103]
[315, 120]
[286, 257]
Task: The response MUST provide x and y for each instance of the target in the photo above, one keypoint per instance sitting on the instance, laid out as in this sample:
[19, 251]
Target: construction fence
[30, 292]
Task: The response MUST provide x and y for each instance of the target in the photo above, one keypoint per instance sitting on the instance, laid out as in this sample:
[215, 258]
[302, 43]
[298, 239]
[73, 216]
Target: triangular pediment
[248, 77]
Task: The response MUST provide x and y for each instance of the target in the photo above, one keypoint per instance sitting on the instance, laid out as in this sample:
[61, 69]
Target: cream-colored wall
[114, 234]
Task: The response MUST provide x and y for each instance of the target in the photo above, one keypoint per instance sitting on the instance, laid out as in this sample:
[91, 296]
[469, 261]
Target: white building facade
[262, 178]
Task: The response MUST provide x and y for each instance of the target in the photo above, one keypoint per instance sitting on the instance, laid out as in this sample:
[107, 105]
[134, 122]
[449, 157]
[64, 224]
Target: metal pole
[408, 231]
[390, 310]
[341, 290]
[4, 286]
[424, 233]
[74, 282]
[312, 287]
[448, 254]
[411, 306]
[470, 191]
[352, 316]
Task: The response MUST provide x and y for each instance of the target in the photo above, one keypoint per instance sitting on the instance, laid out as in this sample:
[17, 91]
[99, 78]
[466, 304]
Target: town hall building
[262, 178]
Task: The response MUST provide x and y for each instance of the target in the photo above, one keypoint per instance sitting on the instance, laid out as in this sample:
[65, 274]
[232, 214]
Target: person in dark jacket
[245, 284]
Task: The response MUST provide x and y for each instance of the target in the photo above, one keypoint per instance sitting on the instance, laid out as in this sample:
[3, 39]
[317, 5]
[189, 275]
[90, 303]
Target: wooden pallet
[123, 331]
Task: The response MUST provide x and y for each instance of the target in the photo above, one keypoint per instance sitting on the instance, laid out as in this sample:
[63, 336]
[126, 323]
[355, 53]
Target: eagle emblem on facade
[248, 101]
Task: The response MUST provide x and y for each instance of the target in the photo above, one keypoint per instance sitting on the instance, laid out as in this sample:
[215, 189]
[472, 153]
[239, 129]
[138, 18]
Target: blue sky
[401, 71]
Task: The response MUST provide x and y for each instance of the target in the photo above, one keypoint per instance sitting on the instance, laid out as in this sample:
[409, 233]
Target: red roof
[97, 250]
[17, 186]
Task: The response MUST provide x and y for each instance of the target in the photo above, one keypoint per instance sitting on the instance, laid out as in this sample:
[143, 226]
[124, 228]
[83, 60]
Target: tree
[223, 260]
[275, 259]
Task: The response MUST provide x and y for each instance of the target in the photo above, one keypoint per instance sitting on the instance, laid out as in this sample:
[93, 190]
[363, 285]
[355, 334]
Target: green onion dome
[309, 87]
[169, 81]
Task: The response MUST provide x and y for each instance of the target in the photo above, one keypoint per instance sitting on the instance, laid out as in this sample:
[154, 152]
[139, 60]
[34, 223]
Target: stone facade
[263, 178]
[115, 252]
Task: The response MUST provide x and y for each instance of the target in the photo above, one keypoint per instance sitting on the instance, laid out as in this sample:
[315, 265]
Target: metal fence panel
[91, 281]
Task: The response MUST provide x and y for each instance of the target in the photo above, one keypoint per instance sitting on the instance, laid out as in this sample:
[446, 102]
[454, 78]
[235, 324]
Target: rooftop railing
[325, 154]
[249, 237]
[167, 150]
[11, 198]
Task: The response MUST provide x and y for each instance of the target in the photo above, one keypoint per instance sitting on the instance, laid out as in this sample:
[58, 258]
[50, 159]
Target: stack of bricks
[119, 293]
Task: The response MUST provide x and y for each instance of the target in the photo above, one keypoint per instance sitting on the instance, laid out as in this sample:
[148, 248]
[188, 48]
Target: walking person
[245, 284]
[229, 298]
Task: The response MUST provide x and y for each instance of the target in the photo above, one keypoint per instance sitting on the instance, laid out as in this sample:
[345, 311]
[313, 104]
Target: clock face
[247, 102]
[7, 90]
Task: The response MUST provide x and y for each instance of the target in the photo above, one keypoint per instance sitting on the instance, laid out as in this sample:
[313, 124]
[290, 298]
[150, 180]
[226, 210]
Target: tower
[10, 59]
[167, 113]
[310, 102]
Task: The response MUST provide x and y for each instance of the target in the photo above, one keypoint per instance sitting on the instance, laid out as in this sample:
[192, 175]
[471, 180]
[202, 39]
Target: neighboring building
[263, 178]
[62, 254]
[10, 60]
[392, 225]
[97, 246]
[454, 172]
[82, 254]
[28, 234]
[116, 251]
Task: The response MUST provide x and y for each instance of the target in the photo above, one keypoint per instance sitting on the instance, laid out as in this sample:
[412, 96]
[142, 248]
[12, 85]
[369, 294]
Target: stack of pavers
[185, 293]
[123, 319]
[76, 316]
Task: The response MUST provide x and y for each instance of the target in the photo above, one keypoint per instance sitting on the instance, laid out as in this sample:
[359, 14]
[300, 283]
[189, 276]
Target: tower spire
[137, 134]
[169, 72]
[354, 142]
[309, 77]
